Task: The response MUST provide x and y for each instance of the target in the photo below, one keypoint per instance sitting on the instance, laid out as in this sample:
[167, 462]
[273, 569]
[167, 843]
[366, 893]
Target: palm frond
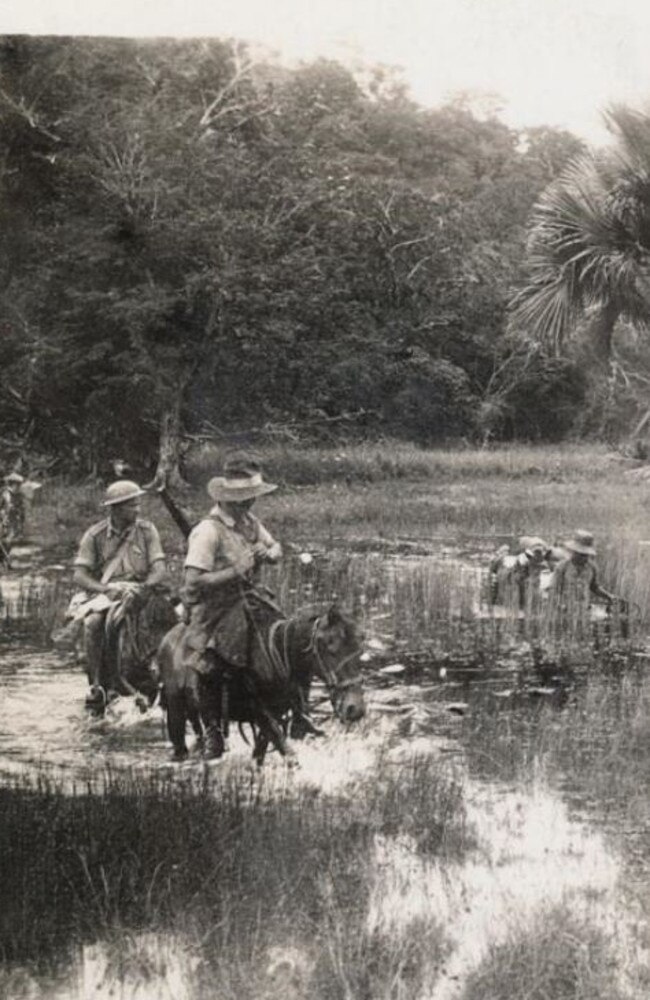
[582, 251]
[631, 129]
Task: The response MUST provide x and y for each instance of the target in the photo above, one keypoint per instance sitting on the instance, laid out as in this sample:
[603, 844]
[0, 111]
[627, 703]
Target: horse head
[336, 647]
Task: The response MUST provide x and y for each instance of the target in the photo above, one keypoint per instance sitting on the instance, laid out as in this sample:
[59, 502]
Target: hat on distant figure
[582, 543]
[121, 491]
[241, 480]
[531, 544]
[14, 477]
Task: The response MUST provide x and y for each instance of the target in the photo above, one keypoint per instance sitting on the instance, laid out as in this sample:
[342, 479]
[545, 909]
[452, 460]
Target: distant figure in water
[515, 579]
[12, 510]
[575, 582]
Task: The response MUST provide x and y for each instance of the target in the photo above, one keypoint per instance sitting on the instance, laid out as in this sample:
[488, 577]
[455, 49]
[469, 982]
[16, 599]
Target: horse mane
[309, 613]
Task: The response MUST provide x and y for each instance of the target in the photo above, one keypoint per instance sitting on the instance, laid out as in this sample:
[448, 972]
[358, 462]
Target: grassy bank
[238, 873]
[388, 489]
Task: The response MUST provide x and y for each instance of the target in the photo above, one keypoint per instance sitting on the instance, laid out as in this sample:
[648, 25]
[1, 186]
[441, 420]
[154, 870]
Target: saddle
[243, 637]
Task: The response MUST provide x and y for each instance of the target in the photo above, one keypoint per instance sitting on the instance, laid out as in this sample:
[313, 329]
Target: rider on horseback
[120, 563]
[225, 552]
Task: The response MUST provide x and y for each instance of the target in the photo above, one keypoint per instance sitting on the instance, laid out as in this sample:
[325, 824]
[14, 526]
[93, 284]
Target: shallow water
[43, 722]
[532, 850]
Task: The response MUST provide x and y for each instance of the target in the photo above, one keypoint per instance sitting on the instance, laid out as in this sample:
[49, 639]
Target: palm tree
[588, 251]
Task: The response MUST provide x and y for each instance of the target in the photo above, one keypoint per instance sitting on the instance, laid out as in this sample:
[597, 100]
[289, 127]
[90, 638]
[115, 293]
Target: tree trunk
[599, 332]
[169, 449]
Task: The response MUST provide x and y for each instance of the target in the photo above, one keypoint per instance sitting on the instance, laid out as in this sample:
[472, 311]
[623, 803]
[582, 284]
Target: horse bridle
[280, 658]
[334, 686]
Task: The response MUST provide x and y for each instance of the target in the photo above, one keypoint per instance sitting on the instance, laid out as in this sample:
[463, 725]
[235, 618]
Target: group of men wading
[120, 564]
[516, 580]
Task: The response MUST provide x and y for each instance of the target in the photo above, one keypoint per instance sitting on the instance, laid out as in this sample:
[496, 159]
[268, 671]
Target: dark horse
[284, 656]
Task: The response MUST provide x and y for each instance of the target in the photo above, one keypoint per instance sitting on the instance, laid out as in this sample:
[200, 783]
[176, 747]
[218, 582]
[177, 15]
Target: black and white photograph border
[324, 474]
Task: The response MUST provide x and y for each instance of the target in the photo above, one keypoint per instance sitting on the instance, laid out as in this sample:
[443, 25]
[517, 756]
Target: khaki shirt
[573, 585]
[101, 542]
[218, 542]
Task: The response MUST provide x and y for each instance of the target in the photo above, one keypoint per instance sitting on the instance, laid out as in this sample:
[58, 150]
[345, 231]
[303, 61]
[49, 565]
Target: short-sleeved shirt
[218, 542]
[102, 541]
[573, 583]
[516, 578]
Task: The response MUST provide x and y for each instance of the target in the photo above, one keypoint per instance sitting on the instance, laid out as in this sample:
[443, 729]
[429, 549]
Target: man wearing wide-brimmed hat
[575, 579]
[120, 562]
[225, 552]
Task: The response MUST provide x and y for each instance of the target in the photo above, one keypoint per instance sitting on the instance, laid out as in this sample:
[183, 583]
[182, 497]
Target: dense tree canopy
[190, 239]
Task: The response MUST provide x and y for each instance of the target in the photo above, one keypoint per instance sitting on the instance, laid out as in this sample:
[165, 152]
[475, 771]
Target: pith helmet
[582, 542]
[238, 485]
[121, 491]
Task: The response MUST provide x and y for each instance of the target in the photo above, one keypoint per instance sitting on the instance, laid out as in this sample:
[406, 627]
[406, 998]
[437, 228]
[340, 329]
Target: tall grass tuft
[597, 750]
[240, 870]
[556, 955]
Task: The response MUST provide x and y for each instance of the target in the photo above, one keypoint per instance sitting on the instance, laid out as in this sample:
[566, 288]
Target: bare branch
[242, 71]
[20, 108]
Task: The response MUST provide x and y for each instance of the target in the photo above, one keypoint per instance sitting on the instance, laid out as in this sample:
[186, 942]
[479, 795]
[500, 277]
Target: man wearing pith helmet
[225, 552]
[120, 561]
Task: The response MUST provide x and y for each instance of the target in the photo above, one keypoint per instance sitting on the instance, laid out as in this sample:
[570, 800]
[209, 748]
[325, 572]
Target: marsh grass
[458, 506]
[596, 751]
[238, 877]
[35, 607]
[244, 869]
[334, 500]
[556, 955]
[386, 460]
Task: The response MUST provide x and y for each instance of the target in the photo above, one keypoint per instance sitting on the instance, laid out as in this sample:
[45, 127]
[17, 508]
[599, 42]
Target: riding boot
[214, 743]
[210, 691]
[93, 631]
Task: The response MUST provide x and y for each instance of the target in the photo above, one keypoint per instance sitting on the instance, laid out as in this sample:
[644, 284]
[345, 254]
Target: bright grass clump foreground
[482, 835]
[234, 873]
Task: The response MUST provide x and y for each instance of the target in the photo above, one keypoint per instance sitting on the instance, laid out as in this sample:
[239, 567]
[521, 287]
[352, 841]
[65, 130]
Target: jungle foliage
[192, 239]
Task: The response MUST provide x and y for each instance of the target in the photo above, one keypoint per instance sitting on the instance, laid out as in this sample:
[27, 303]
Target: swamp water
[533, 850]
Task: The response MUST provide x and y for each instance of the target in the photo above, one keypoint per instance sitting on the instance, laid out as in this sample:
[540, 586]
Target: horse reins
[332, 682]
[279, 658]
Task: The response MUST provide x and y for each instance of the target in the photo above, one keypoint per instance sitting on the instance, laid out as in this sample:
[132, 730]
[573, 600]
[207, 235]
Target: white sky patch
[550, 61]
